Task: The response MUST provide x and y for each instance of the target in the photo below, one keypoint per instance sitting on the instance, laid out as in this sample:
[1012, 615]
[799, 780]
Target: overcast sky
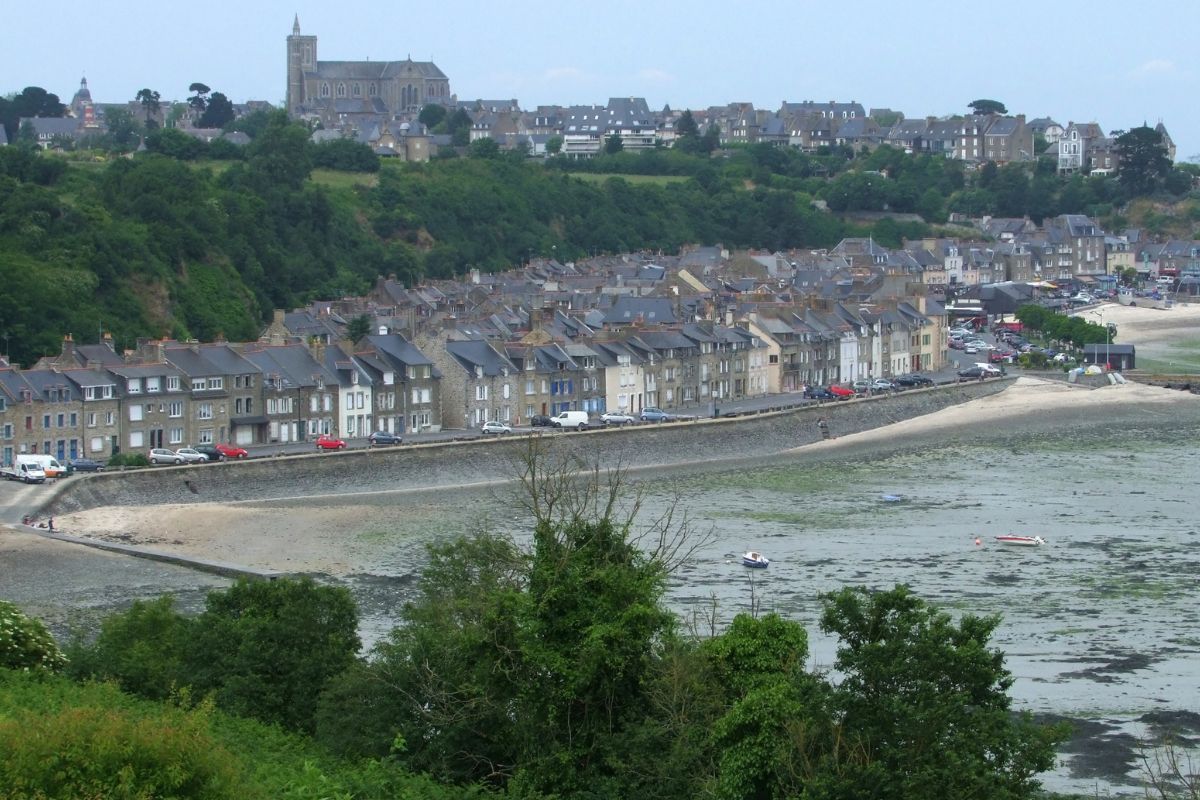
[1116, 63]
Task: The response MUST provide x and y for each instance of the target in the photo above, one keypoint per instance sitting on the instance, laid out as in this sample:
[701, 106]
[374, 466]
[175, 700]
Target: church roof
[376, 70]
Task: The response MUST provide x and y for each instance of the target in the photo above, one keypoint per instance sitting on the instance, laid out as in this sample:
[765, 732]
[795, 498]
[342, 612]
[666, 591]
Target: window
[153, 384]
[237, 406]
[175, 409]
[74, 419]
[135, 439]
[506, 392]
[481, 392]
[199, 384]
[8, 430]
[61, 420]
[249, 405]
[134, 386]
[204, 411]
[175, 436]
[172, 383]
[96, 444]
[110, 418]
[205, 435]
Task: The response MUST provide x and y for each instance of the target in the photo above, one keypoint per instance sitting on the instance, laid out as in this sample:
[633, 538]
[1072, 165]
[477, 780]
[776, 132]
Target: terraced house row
[304, 378]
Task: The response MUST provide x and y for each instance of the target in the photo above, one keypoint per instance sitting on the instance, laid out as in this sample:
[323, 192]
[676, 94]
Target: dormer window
[134, 386]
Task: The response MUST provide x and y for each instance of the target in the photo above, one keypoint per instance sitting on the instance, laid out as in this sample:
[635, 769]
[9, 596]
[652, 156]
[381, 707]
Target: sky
[1115, 63]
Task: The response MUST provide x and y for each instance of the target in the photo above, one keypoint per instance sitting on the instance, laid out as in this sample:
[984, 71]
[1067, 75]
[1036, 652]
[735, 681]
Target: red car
[229, 451]
[841, 392]
[326, 442]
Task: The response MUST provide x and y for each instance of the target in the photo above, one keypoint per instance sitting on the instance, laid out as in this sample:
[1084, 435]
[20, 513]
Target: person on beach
[823, 426]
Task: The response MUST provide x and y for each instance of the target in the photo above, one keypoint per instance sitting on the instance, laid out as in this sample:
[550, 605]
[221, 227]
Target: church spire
[296, 26]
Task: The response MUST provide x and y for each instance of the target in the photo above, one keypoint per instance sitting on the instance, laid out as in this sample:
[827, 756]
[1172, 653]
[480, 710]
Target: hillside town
[379, 103]
[612, 333]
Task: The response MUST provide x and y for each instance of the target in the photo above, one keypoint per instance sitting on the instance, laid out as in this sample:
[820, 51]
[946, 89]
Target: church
[333, 90]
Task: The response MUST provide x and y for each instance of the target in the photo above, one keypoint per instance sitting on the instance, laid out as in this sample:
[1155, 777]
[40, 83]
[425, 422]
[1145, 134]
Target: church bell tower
[301, 59]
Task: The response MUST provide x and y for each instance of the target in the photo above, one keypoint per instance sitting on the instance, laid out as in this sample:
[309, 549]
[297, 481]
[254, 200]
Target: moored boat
[755, 559]
[1021, 541]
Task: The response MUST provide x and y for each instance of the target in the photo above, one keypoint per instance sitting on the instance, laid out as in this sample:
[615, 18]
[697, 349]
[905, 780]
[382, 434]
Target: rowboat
[755, 560]
[1021, 541]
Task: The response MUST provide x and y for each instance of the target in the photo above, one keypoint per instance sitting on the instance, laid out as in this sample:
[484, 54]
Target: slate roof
[478, 353]
[373, 70]
[650, 310]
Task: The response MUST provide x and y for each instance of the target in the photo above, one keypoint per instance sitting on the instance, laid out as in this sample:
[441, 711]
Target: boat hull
[1021, 541]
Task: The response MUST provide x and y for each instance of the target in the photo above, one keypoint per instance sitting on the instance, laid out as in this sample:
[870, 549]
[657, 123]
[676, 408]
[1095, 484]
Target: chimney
[68, 348]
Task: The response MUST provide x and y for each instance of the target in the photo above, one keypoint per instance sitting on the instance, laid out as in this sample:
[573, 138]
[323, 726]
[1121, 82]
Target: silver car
[496, 427]
[191, 456]
[617, 418]
[161, 455]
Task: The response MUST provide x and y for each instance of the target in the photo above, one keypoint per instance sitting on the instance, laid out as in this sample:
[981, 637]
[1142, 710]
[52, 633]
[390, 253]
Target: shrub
[128, 460]
[25, 644]
[59, 746]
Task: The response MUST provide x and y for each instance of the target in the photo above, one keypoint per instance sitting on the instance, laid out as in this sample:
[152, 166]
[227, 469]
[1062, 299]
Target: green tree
[199, 99]
[613, 144]
[1143, 164]
[123, 128]
[141, 649]
[554, 145]
[218, 113]
[987, 107]
[358, 328]
[151, 104]
[268, 648]
[32, 101]
[927, 699]
[25, 644]
[432, 115]
[485, 148]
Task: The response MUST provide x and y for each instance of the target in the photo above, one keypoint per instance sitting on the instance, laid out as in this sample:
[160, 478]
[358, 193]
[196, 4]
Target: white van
[571, 419]
[48, 463]
[25, 471]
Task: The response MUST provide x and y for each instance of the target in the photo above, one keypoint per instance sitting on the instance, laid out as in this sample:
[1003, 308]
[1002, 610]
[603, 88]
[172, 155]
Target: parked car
[190, 455]
[84, 465]
[210, 451]
[818, 393]
[541, 421]
[383, 437]
[861, 386]
[652, 414]
[327, 442]
[232, 451]
[841, 392]
[617, 418]
[883, 385]
[912, 380]
[160, 455]
[976, 372]
[957, 344]
[496, 427]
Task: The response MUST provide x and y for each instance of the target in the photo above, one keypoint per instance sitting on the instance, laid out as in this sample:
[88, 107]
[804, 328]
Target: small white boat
[892, 498]
[1021, 541]
[755, 559]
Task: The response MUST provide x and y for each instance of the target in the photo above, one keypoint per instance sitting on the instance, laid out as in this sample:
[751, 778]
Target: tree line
[548, 671]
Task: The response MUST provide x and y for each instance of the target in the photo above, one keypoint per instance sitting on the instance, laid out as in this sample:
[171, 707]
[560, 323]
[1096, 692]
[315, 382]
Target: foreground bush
[25, 644]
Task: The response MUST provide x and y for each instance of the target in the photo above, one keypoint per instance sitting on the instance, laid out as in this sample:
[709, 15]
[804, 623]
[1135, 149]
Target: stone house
[414, 401]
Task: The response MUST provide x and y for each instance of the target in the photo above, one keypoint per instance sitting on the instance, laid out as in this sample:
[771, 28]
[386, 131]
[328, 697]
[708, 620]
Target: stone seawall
[480, 461]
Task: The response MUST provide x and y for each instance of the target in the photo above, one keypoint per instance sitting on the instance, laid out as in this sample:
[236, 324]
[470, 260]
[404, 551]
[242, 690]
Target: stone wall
[481, 461]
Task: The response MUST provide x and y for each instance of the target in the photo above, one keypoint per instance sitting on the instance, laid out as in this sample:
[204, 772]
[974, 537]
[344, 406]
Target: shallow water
[1099, 625]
